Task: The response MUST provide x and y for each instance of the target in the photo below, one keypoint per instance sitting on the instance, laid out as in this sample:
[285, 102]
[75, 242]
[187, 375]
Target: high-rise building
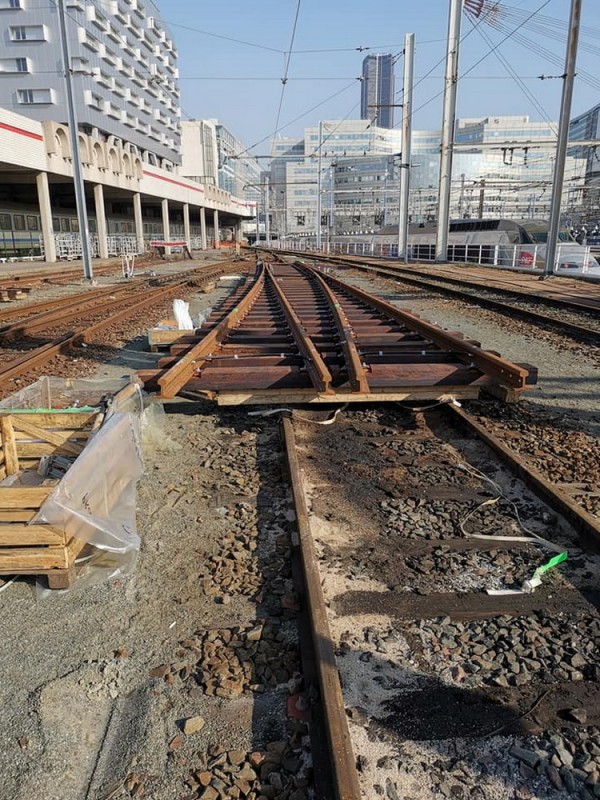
[124, 67]
[377, 90]
[587, 126]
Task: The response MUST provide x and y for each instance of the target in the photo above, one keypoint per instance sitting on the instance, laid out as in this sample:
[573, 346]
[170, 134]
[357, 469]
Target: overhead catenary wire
[524, 89]
[288, 57]
[485, 55]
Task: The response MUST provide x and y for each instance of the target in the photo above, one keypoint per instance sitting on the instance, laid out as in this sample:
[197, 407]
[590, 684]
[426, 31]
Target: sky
[239, 82]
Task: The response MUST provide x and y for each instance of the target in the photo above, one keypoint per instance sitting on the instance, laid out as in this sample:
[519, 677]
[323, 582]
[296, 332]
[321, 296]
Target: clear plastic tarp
[73, 394]
[95, 500]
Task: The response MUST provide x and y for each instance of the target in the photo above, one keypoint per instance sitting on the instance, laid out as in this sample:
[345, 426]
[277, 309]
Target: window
[64, 225]
[32, 223]
[27, 33]
[300, 220]
[19, 222]
[6, 4]
[14, 65]
[55, 223]
[5, 223]
[30, 97]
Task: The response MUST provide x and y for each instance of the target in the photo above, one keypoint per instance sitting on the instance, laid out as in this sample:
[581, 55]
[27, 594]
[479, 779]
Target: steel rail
[178, 375]
[341, 756]
[497, 305]
[584, 522]
[35, 310]
[62, 315]
[315, 366]
[364, 261]
[492, 365]
[356, 372]
[41, 355]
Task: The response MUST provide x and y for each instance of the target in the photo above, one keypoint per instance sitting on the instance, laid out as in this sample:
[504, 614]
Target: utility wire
[284, 80]
[522, 86]
[485, 55]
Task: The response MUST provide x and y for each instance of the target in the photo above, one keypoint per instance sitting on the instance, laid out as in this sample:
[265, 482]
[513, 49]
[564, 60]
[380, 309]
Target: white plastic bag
[203, 316]
[181, 312]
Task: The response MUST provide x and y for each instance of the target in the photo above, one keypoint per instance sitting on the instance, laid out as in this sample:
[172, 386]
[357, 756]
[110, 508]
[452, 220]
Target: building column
[203, 244]
[238, 236]
[139, 223]
[186, 225]
[216, 227]
[101, 228]
[43, 191]
[166, 225]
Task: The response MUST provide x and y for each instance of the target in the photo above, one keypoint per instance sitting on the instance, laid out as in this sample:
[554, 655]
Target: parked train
[505, 242]
[21, 229]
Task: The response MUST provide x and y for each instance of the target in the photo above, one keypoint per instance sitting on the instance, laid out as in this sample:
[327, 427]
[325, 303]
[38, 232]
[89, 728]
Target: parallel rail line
[119, 308]
[405, 606]
[437, 282]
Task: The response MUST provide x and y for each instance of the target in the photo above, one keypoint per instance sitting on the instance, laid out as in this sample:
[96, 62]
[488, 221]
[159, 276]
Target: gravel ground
[96, 694]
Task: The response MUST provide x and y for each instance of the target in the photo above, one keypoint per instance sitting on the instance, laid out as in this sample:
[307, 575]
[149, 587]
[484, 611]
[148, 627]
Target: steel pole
[449, 117]
[563, 137]
[82, 216]
[409, 53]
[320, 159]
[267, 213]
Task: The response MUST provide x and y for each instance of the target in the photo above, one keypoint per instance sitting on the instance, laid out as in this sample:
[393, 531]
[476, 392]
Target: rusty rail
[39, 356]
[496, 367]
[316, 367]
[356, 372]
[343, 765]
[178, 375]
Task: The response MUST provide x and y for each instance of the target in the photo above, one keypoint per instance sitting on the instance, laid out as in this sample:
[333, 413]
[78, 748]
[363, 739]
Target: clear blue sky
[241, 84]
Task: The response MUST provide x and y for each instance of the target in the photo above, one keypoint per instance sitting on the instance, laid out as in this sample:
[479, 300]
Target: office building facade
[294, 169]
[587, 127]
[378, 90]
[124, 66]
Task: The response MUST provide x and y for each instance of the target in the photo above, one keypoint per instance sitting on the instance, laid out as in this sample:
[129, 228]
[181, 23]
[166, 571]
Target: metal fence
[68, 246]
[570, 258]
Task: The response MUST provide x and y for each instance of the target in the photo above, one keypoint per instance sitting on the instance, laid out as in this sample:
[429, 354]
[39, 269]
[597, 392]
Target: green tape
[553, 562]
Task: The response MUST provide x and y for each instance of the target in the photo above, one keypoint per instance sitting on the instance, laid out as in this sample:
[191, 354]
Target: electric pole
[563, 137]
[409, 53]
[84, 227]
[449, 117]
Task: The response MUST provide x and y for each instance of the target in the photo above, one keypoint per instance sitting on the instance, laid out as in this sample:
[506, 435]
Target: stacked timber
[38, 447]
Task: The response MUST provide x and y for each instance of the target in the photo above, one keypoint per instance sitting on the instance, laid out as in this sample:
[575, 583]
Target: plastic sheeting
[181, 312]
[62, 394]
[95, 501]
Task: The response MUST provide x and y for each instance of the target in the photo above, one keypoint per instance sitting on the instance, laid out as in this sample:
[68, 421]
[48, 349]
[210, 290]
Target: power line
[284, 80]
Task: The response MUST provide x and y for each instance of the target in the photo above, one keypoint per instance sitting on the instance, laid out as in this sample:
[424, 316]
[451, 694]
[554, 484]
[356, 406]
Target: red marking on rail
[293, 711]
[170, 180]
[21, 131]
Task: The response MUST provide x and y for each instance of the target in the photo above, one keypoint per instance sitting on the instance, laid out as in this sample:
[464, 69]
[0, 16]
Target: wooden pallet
[28, 548]
[163, 338]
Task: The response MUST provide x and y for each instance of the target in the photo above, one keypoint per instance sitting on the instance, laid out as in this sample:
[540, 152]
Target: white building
[124, 68]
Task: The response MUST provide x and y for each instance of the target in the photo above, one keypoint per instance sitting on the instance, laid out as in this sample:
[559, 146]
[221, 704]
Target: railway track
[418, 534]
[294, 334]
[94, 314]
[571, 317]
